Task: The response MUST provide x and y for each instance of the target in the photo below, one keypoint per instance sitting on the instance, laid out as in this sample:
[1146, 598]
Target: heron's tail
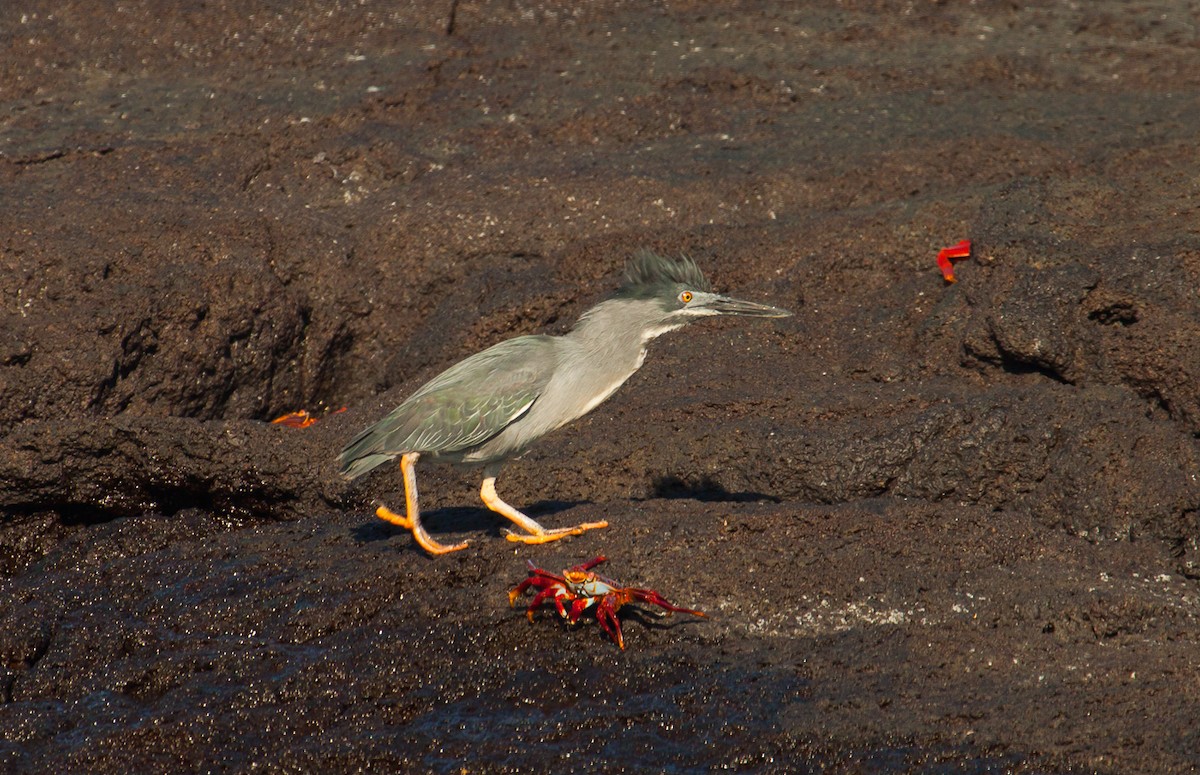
[352, 469]
[362, 455]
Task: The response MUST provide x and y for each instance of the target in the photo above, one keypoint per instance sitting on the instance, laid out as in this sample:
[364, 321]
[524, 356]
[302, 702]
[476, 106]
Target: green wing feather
[461, 408]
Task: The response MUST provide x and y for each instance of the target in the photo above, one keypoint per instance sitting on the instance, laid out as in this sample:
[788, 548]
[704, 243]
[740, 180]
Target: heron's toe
[387, 515]
[546, 536]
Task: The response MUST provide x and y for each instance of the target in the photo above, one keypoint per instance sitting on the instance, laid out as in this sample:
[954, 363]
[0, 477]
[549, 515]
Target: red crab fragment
[578, 589]
[300, 419]
[946, 255]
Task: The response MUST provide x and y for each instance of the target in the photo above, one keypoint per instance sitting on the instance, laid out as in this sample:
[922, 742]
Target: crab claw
[606, 615]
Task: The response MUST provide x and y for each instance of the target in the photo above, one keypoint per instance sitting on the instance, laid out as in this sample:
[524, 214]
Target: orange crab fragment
[946, 255]
[300, 419]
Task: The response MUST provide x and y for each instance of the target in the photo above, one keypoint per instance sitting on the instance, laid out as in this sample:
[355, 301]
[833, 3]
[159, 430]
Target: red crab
[578, 589]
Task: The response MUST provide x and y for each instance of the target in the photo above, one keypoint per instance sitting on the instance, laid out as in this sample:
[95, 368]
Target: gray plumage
[465, 406]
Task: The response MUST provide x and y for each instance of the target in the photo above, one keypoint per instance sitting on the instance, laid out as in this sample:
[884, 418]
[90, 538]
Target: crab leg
[519, 590]
[589, 564]
[652, 597]
[540, 597]
[606, 614]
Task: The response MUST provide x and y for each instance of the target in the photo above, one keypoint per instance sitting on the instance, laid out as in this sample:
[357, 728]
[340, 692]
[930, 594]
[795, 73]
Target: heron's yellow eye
[685, 297]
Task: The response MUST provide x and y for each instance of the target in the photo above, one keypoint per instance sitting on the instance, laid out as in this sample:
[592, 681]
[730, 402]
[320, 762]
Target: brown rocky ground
[939, 528]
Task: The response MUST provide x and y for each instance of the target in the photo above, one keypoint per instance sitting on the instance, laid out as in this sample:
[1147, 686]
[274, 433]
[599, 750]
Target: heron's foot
[543, 536]
[424, 539]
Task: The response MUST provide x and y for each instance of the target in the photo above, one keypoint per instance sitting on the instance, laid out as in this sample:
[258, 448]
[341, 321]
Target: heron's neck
[604, 349]
[617, 332]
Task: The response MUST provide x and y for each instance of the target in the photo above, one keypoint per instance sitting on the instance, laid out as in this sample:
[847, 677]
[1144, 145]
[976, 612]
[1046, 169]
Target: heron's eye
[685, 297]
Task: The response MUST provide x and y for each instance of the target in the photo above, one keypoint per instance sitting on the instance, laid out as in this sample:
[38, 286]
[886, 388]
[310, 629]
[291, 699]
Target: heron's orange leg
[413, 520]
[537, 533]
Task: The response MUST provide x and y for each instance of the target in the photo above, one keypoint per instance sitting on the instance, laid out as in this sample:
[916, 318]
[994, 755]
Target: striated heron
[491, 407]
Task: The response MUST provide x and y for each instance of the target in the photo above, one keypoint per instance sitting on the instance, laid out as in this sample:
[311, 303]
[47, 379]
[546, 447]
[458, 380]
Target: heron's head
[679, 292]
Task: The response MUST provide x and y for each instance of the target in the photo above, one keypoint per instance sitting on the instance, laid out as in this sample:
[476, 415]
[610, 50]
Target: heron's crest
[649, 274]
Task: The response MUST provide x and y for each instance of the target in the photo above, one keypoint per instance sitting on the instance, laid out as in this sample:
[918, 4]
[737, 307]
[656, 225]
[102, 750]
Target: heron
[491, 407]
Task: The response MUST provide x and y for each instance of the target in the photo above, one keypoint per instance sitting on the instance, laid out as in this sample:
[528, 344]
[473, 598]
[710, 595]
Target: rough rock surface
[939, 528]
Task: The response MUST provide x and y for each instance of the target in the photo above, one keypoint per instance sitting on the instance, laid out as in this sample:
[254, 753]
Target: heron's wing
[462, 407]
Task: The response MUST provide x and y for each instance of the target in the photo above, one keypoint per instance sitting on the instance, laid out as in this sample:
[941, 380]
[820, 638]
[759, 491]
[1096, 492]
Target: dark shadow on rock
[458, 519]
[658, 621]
[92, 472]
[549, 508]
[705, 489]
[436, 521]
[375, 530]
